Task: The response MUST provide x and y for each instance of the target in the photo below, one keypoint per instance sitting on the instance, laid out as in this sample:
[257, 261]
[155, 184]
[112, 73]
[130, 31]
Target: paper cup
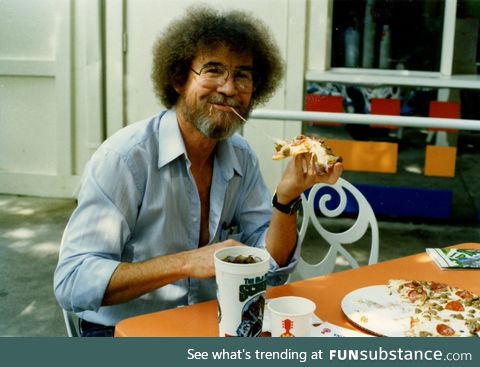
[291, 316]
[241, 291]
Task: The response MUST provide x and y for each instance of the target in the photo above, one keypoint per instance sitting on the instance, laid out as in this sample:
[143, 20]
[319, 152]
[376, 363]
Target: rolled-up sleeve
[256, 212]
[98, 229]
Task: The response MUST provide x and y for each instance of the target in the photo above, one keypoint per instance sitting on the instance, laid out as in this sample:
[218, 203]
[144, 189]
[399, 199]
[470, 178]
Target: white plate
[376, 310]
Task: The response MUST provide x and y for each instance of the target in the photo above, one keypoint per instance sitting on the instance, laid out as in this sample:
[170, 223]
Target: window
[387, 34]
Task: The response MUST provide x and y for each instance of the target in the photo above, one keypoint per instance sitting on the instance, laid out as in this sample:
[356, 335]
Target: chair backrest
[71, 323]
[365, 219]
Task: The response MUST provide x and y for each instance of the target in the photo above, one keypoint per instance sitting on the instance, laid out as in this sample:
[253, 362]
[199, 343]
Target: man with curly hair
[162, 195]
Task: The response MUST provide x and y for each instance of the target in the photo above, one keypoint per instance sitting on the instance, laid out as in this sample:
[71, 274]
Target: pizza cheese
[304, 144]
[440, 309]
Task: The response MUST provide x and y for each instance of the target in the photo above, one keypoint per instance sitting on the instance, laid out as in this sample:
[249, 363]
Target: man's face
[217, 83]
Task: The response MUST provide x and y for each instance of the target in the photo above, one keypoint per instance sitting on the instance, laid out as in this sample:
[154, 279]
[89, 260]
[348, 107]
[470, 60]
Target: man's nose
[228, 86]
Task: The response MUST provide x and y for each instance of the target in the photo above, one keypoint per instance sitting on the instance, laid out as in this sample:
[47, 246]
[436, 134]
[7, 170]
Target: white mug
[291, 316]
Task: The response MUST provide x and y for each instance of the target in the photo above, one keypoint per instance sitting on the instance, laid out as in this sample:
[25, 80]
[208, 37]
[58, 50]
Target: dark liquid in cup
[241, 259]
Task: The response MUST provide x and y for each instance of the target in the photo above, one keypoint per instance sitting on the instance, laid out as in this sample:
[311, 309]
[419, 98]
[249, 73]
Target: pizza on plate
[439, 309]
[304, 144]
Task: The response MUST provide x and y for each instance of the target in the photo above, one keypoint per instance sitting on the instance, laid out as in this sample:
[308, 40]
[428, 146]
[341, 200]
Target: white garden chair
[71, 323]
[366, 219]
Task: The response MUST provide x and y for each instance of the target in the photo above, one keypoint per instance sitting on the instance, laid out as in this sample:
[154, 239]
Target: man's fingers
[320, 169]
[336, 173]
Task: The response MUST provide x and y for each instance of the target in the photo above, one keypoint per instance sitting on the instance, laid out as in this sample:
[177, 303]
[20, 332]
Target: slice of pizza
[440, 309]
[304, 144]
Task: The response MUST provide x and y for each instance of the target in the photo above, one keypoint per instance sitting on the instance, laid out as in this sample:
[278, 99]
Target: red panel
[385, 106]
[444, 109]
[317, 103]
[449, 110]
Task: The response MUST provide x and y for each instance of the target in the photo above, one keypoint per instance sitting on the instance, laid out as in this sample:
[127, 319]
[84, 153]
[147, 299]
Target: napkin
[320, 328]
[326, 329]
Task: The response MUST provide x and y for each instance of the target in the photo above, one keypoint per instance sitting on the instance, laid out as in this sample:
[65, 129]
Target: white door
[51, 115]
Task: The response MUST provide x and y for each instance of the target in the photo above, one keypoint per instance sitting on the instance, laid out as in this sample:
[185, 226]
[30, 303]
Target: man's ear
[179, 88]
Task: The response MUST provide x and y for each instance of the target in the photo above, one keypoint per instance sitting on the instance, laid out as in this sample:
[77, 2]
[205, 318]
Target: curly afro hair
[205, 29]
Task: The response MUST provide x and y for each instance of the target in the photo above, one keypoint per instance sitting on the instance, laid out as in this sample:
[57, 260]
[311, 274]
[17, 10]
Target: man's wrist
[290, 207]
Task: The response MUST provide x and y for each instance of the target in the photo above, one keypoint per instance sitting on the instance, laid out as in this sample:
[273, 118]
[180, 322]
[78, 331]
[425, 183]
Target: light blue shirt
[138, 200]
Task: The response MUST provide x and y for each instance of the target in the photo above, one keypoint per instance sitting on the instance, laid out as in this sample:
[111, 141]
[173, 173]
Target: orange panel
[385, 106]
[366, 156]
[449, 110]
[317, 103]
[440, 161]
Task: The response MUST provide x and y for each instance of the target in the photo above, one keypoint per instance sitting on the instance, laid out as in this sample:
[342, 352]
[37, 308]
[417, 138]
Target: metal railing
[367, 119]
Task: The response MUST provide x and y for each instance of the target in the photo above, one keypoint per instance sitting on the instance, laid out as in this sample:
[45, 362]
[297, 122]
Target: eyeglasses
[216, 75]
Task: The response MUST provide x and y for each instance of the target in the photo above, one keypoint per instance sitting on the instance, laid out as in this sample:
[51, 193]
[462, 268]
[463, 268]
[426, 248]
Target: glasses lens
[212, 76]
[244, 80]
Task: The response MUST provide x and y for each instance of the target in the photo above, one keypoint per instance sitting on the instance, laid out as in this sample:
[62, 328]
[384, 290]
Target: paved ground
[30, 233]
[31, 229]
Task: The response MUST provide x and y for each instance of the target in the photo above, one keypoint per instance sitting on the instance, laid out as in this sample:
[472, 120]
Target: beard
[214, 124]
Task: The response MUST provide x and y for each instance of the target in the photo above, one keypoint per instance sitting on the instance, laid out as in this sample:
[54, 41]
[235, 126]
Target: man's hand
[131, 280]
[200, 262]
[303, 172]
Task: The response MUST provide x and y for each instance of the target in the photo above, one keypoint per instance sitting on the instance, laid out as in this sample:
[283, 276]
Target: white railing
[367, 119]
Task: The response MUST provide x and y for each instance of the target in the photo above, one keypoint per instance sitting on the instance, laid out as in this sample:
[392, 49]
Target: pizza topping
[445, 330]
[473, 325]
[417, 294]
[437, 286]
[454, 306]
[412, 284]
[424, 333]
[464, 294]
[475, 303]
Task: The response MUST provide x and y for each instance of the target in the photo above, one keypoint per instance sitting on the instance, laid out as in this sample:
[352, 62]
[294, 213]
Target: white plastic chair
[71, 323]
[366, 219]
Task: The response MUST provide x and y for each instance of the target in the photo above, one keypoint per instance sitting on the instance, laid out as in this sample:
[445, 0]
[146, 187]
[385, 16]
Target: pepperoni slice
[445, 330]
[434, 286]
[454, 306]
[412, 284]
[416, 294]
[464, 294]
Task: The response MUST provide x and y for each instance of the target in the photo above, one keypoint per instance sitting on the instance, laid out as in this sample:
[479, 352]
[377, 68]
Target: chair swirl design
[365, 219]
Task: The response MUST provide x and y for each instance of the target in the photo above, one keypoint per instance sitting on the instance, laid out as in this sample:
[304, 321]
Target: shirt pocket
[230, 233]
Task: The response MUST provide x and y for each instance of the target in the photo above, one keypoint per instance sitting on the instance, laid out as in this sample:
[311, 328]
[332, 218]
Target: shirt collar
[171, 146]
[227, 159]
[170, 141]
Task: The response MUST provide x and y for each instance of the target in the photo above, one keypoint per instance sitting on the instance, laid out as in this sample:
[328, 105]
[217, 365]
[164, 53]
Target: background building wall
[73, 72]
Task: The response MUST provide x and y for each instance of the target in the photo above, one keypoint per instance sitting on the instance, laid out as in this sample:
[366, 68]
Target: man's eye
[213, 70]
[243, 75]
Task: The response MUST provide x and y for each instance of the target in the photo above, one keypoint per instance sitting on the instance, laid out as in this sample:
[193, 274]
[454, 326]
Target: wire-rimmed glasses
[215, 75]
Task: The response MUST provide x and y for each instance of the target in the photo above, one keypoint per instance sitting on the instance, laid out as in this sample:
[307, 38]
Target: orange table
[326, 291]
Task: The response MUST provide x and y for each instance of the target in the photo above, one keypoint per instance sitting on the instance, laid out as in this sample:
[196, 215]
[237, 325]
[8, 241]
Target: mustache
[230, 102]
